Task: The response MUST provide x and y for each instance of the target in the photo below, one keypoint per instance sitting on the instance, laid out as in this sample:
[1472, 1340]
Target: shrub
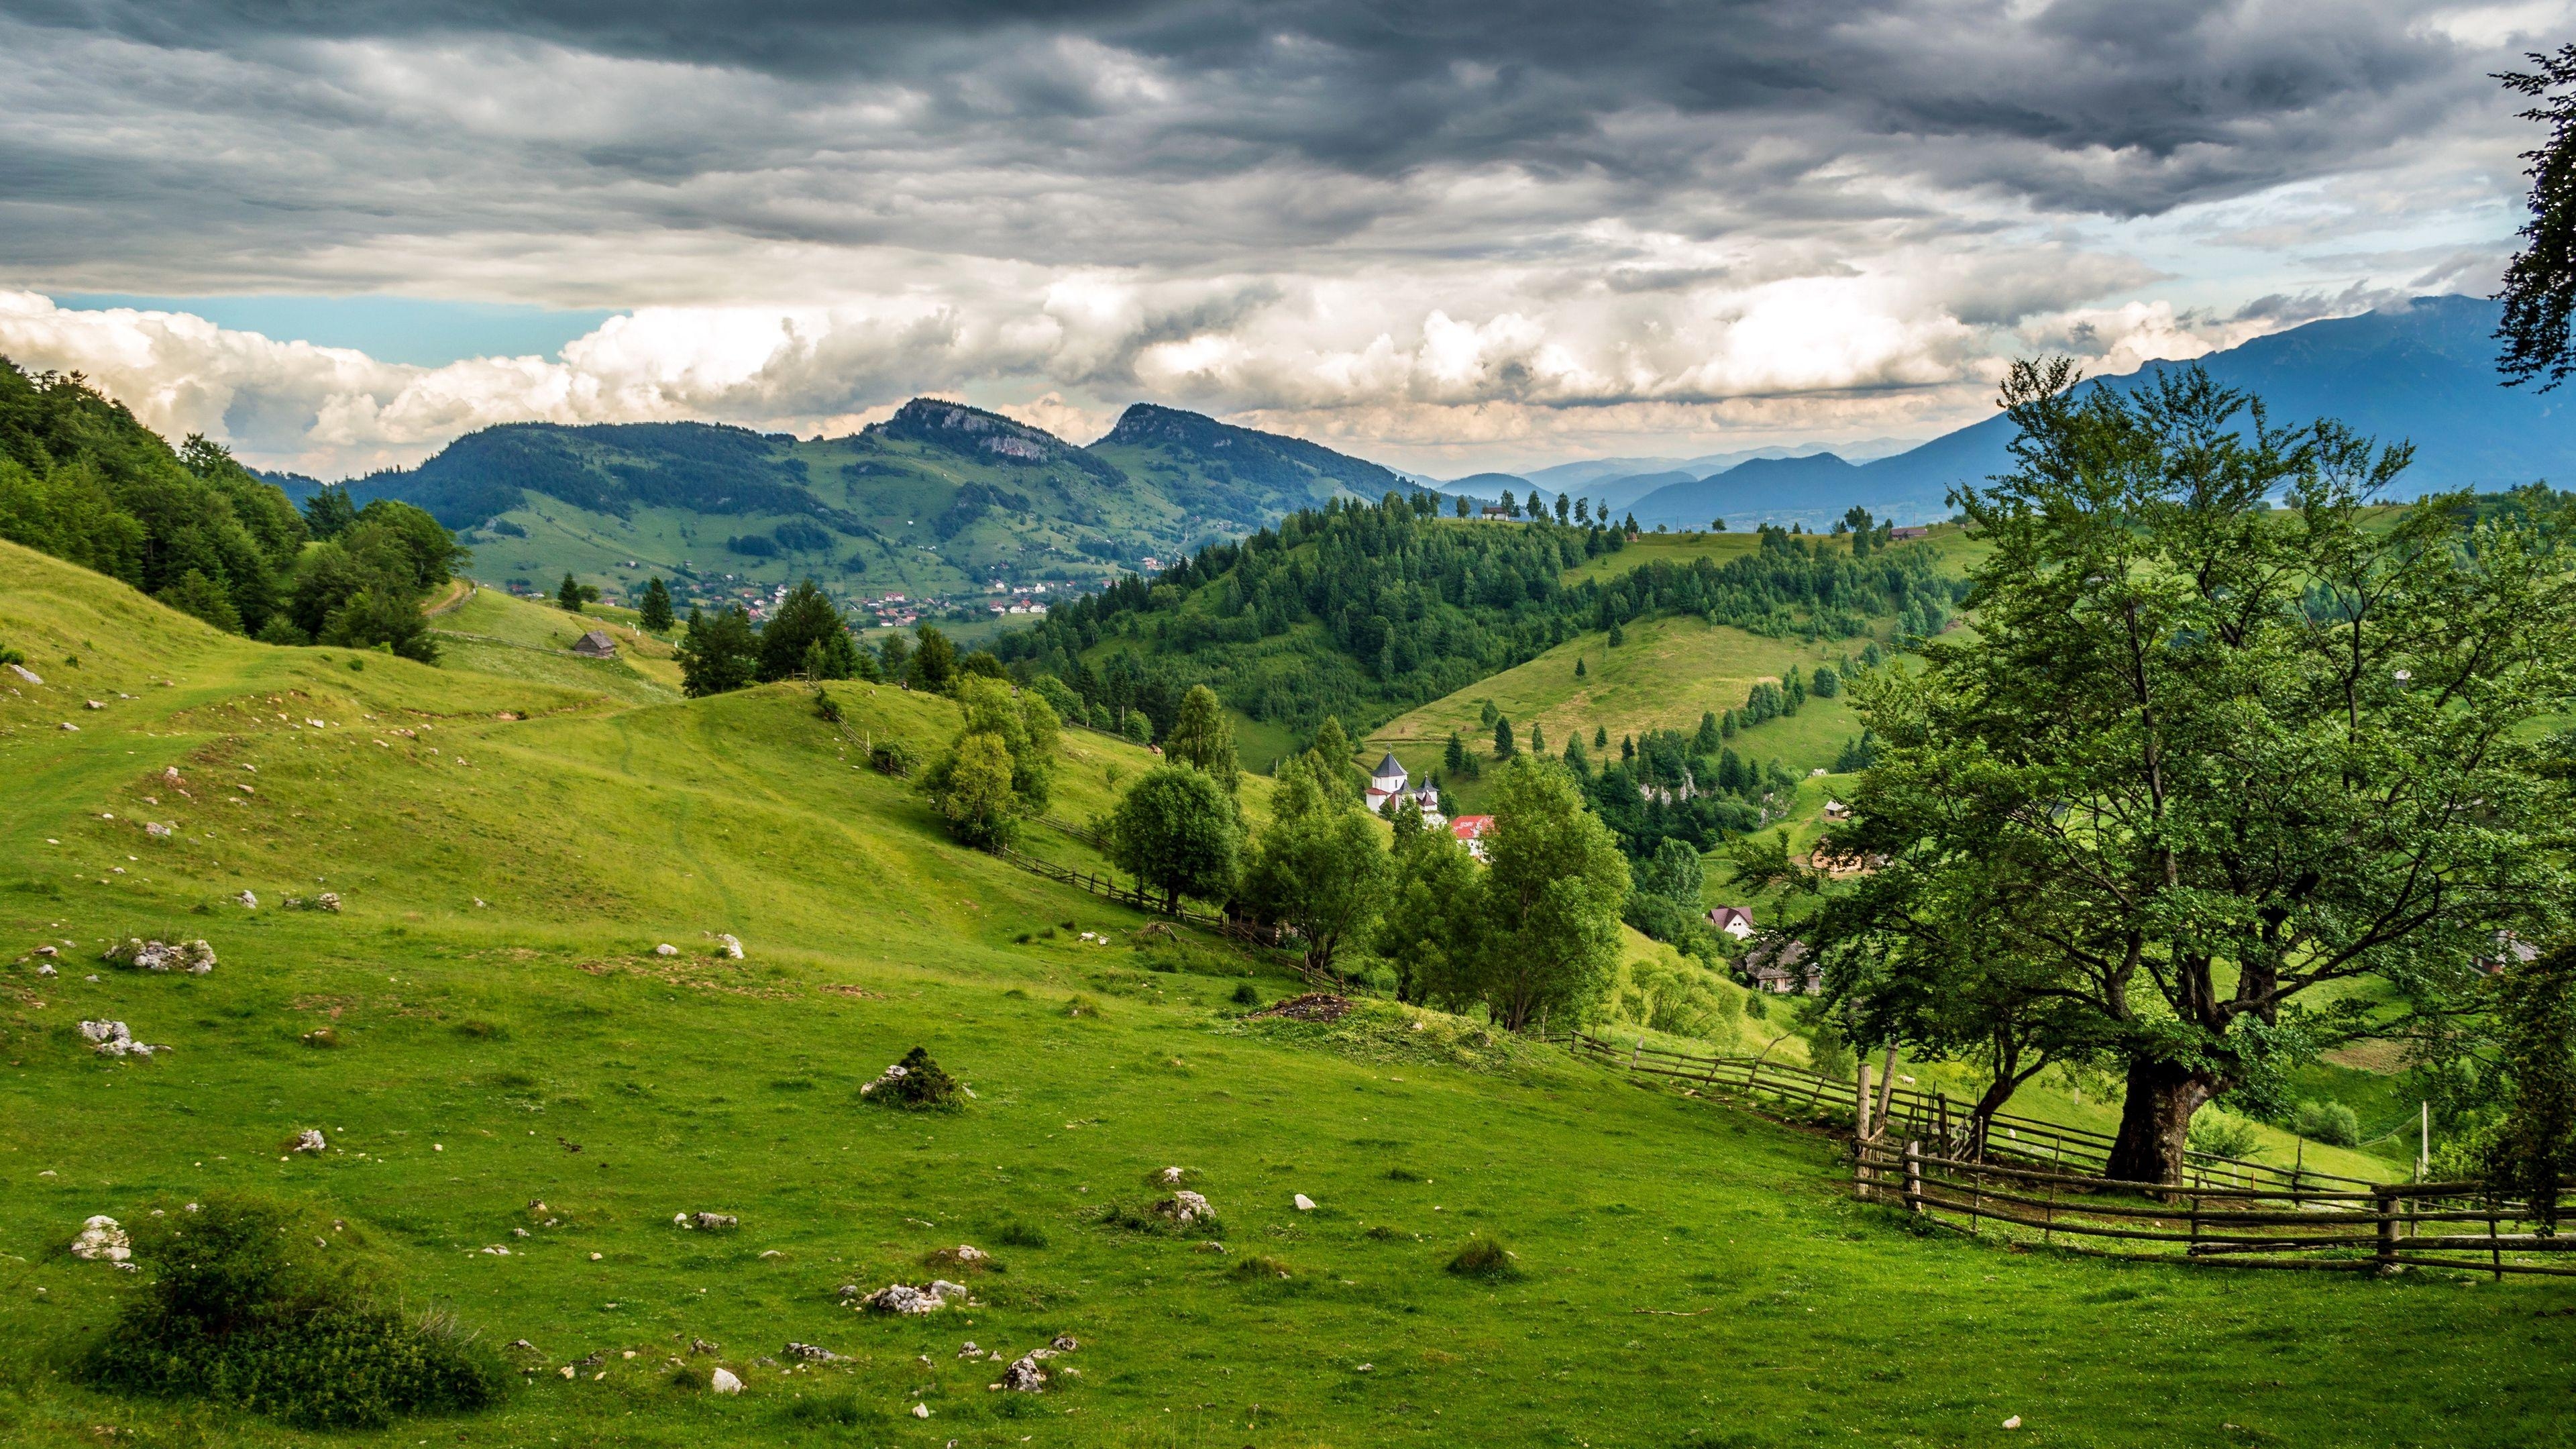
[2329, 1122]
[916, 1084]
[228, 1316]
[895, 758]
[1485, 1257]
[841, 1409]
[1402, 1174]
[2222, 1135]
[1018, 1233]
[1081, 1006]
[483, 1030]
[1259, 1268]
[1247, 995]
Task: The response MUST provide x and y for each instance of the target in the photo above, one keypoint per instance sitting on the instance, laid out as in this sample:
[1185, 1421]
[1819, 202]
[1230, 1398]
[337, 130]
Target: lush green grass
[1667, 673]
[1949, 540]
[481, 1043]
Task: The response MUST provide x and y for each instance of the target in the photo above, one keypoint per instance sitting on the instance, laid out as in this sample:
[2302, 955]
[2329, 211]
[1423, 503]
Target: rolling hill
[519, 1090]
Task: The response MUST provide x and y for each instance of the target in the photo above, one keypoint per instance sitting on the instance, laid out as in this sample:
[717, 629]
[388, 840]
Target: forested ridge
[1361, 611]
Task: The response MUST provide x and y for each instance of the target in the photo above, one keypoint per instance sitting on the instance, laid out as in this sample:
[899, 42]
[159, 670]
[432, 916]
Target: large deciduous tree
[1178, 832]
[2540, 284]
[719, 653]
[1554, 884]
[1320, 868]
[2202, 757]
[807, 636]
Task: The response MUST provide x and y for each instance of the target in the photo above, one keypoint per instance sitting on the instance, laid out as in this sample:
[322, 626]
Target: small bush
[2221, 1135]
[228, 1316]
[1247, 995]
[2329, 1122]
[1402, 1174]
[1382, 1233]
[1017, 1233]
[826, 709]
[1081, 1006]
[1484, 1257]
[483, 1030]
[1258, 1268]
[687, 1376]
[916, 1084]
[841, 1409]
[895, 758]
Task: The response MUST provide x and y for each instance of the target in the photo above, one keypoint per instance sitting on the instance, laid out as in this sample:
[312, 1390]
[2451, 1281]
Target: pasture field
[508, 1053]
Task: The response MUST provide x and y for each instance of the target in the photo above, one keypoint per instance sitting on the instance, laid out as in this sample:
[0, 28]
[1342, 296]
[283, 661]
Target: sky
[1446, 236]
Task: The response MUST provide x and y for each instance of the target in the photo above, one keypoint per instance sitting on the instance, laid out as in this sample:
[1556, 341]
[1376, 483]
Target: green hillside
[511, 849]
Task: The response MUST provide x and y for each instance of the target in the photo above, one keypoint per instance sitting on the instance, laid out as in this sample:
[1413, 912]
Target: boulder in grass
[813, 1353]
[194, 957]
[101, 1240]
[246, 900]
[916, 1083]
[709, 1222]
[729, 946]
[1184, 1208]
[112, 1039]
[310, 1140]
[666, 949]
[723, 1381]
[160, 829]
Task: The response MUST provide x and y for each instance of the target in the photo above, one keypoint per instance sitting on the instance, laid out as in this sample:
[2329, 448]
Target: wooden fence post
[2385, 1199]
[1914, 1176]
[1860, 1106]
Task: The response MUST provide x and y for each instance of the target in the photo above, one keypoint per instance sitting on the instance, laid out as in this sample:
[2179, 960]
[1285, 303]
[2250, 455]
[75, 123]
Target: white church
[1387, 788]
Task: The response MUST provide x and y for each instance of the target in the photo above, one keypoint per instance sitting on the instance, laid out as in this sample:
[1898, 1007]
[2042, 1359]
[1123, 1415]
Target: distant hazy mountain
[2423, 372]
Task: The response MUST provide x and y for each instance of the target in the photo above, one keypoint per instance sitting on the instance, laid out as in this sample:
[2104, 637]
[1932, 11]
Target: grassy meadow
[514, 833]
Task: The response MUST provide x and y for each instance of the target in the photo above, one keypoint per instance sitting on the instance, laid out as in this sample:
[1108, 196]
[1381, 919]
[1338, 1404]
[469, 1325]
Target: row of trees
[807, 638]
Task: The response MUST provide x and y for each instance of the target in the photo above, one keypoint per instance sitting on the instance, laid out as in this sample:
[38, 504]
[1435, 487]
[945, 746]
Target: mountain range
[943, 499]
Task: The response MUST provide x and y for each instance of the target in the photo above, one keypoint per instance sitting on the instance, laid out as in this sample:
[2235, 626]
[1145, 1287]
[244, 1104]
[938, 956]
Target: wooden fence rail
[2380, 1230]
[1935, 1119]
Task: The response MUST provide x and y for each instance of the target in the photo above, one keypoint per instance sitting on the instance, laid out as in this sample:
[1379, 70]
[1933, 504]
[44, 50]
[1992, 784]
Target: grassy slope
[504, 1033]
[1665, 676]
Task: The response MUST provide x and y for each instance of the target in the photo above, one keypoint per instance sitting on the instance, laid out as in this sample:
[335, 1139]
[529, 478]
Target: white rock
[75, 729]
[2013, 1423]
[49, 950]
[1171, 1177]
[903, 1298]
[920, 1411]
[310, 1140]
[159, 830]
[1184, 1208]
[732, 947]
[194, 957]
[23, 672]
[93, 704]
[1305, 1204]
[666, 949]
[814, 1353]
[1024, 1376]
[47, 970]
[724, 1382]
[248, 901]
[101, 1240]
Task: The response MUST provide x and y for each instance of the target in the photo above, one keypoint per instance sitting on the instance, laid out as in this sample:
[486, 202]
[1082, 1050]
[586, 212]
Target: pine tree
[1707, 740]
[1538, 742]
[573, 595]
[1600, 737]
[1331, 757]
[1455, 755]
[1578, 666]
[807, 634]
[1502, 738]
[1618, 636]
[718, 654]
[655, 612]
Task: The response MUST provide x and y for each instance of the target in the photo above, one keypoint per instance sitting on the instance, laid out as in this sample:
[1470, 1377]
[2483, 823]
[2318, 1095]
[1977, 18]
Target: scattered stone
[194, 957]
[93, 704]
[904, 1298]
[1313, 1006]
[724, 1382]
[732, 947]
[920, 1410]
[665, 949]
[327, 901]
[814, 1353]
[247, 901]
[23, 672]
[2013, 1423]
[73, 728]
[701, 1346]
[1184, 1208]
[49, 950]
[1064, 1343]
[47, 971]
[170, 773]
[1305, 1204]
[964, 1255]
[1172, 1176]
[969, 1350]
[1024, 1376]
[160, 829]
[521, 1345]
[310, 1140]
[709, 1221]
[111, 1039]
[848, 1291]
[102, 1241]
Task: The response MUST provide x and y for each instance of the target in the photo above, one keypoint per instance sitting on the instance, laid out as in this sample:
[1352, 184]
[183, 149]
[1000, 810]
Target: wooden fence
[2376, 1228]
[1946, 1127]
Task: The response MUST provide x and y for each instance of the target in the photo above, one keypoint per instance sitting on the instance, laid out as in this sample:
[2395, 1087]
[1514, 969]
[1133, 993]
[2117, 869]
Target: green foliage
[2224, 1134]
[1678, 999]
[893, 757]
[1674, 872]
[654, 610]
[2328, 1121]
[971, 785]
[1330, 759]
[2535, 1144]
[807, 636]
[933, 665]
[1319, 868]
[1825, 683]
[2540, 284]
[574, 594]
[329, 512]
[719, 653]
[1203, 738]
[2302, 745]
[915, 1084]
[228, 1315]
[1554, 883]
[387, 617]
[1178, 832]
[196, 594]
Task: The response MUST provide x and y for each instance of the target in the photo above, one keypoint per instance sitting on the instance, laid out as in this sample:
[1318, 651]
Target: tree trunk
[2155, 1121]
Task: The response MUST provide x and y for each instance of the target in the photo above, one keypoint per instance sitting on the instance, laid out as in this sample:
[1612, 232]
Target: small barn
[595, 645]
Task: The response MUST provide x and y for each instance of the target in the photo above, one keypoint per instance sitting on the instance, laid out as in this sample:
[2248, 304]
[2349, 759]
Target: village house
[1900, 535]
[1731, 920]
[1783, 966]
[595, 645]
[1386, 789]
[1472, 829]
